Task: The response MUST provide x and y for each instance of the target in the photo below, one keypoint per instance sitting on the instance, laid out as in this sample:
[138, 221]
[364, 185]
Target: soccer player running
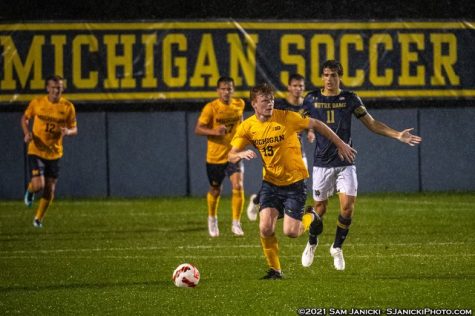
[54, 117]
[283, 193]
[219, 121]
[292, 102]
[336, 107]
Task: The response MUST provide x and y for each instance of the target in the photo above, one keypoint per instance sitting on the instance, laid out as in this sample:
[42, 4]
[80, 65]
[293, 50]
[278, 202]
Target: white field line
[151, 248]
[234, 257]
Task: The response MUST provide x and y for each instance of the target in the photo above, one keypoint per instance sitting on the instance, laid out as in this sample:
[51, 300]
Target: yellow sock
[271, 251]
[212, 205]
[307, 219]
[30, 187]
[42, 208]
[237, 203]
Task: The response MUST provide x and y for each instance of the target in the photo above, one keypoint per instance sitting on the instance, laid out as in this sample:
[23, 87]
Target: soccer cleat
[213, 227]
[37, 223]
[237, 229]
[29, 198]
[308, 254]
[252, 208]
[338, 260]
[273, 275]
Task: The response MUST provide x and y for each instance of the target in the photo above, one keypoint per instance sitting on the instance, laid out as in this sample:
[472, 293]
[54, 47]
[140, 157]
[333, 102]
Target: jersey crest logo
[277, 128]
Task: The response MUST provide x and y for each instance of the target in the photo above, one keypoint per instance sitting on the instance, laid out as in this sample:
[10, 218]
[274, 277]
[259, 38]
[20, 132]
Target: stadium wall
[149, 154]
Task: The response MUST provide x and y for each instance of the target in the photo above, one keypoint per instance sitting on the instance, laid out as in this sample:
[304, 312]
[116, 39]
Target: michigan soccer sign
[152, 61]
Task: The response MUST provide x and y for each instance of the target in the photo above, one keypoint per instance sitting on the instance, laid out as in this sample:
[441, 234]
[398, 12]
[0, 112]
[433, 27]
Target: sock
[316, 228]
[212, 205]
[42, 208]
[270, 246]
[30, 188]
[237, 203]
[342, 229]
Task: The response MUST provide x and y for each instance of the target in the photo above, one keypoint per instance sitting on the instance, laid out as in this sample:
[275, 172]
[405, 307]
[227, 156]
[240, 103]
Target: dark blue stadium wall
[135, 154]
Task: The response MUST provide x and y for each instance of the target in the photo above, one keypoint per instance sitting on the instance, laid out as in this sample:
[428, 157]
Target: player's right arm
[25, 126]
[344, 150]
[204, 124]
[235, 155]
[204, 130]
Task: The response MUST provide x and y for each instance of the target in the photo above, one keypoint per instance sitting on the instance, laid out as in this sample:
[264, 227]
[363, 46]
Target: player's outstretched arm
[236, 155]
[344, 150]
[380, 128]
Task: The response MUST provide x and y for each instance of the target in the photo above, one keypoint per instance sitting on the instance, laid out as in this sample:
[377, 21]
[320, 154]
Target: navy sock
[342, 229]
[316, 228]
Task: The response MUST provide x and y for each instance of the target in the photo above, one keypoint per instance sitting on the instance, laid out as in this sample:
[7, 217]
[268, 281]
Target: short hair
[224, 79]
[297, 77]
[55, 78]
[333, 65]
[261, 89]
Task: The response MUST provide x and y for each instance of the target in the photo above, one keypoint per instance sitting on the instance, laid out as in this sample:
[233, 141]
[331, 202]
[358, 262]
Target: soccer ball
[186, 275]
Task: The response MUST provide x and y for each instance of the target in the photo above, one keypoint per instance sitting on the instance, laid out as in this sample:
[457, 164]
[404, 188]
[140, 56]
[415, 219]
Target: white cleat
[308, 254]
[252, 208]
[237, 229]
[338, 260]
[213, 229]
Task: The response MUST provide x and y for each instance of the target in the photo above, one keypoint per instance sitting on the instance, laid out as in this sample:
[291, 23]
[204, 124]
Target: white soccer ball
[186, 275]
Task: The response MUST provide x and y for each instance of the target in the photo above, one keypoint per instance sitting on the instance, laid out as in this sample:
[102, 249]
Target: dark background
[244, 9]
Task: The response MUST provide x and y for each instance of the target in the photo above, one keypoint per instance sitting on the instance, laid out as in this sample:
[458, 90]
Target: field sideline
[116, 256]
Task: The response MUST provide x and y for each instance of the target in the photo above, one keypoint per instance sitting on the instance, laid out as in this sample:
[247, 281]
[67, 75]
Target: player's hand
[65, 131]
[247, 154]
[310, 136]
[220, 130]
[28, 137]
[406, 137]
[347, 153]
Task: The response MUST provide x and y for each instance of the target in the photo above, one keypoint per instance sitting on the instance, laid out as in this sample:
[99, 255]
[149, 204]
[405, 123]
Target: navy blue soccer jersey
[336, 112]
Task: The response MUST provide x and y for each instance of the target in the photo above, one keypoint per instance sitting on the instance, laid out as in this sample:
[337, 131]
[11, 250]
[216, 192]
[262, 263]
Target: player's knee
[215, 191]
[321, 208]
[292, 233]
[266, 230]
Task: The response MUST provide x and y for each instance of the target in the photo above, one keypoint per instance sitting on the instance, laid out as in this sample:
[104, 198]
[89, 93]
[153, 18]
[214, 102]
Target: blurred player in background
[283, 193]
[336, 107]
[219, 121]
[53, 117]
[292, 102]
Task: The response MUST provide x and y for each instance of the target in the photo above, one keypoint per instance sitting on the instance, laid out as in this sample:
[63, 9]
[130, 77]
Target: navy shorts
[217, 172]
[289, 199]
[43, 167]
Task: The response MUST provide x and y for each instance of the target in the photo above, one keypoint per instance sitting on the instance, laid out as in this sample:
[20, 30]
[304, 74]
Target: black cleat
[272, 275]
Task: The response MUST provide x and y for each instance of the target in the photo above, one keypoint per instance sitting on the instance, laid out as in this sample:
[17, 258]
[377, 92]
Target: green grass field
[116, 257]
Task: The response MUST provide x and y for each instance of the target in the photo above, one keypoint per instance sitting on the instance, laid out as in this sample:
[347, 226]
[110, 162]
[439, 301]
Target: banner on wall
[153, 61]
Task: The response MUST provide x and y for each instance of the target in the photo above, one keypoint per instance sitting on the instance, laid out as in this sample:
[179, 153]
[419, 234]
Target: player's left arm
[380, 128]
[73, 131]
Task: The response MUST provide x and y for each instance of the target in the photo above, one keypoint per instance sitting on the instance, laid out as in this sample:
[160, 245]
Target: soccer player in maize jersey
[219, 121]
[283, 193]
[53, 117]
[336, 108]
[292, 102]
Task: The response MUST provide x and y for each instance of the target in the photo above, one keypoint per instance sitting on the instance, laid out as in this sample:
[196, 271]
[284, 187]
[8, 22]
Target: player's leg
[237, 200]
[51, 174]
[37, 180]
[294, 204]
[270, 246]
[324, 181]
[268, 215]
[347, 185]
[216, 176]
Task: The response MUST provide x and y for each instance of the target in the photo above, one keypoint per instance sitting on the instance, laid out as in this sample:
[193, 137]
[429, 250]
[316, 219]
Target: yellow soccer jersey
[48, 118]
[278, 145]
[216, 113]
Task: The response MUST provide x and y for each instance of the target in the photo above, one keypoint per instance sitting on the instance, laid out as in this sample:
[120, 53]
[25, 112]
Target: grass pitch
[116, 257]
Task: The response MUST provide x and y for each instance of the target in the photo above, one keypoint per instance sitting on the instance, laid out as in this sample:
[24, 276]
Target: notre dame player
[336, 107]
